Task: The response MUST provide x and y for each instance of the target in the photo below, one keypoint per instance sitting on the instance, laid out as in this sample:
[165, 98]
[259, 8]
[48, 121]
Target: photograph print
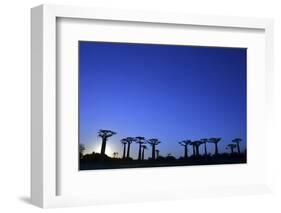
[158, 105]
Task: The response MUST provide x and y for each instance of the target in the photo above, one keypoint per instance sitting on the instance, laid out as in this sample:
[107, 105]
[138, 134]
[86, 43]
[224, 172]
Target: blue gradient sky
[161, 91]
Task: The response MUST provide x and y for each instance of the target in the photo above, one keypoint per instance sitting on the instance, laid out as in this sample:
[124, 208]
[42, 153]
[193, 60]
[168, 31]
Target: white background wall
[15, 99]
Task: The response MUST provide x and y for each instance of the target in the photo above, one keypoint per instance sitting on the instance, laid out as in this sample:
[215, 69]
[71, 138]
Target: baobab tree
[144, 147]
[140, 141]
[153, 142]
[124, 142]
[215, 141]
[129, 141]
[105, 134]
[185, 144]
[196, 145]
[231, 146]
[204, 141]
[237, 141]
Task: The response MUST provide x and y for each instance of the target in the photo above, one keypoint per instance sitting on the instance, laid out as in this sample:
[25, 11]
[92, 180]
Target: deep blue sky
[167, 92]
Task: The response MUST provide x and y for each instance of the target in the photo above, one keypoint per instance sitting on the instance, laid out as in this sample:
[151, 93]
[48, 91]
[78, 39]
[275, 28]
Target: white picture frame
[44, 148]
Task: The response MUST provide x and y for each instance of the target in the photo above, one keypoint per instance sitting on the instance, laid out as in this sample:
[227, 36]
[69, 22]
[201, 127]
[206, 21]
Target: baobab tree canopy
[140, 139]
[214, 140]
[153, 141]
[237, 140]
[185, 142]
[204, 140]
[129, 139]
[106, 133]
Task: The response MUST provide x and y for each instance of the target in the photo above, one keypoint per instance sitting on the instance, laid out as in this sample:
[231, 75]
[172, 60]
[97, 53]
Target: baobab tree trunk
[128, 150]
[139, 158]
[142, 155]
[216, 150]
[124, 151]
[197, 150]
[231, 148]
[185, 152]
[103, 145]
[205, 146]
[153, 152]
[238, 148]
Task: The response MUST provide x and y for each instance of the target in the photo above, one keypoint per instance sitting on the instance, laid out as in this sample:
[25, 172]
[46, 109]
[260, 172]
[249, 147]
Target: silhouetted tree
[153, 142]
[196, 145]
[140, 141]
[204, 141]
[215, 141]
[105, 134]
[143, 148]
[124, 142]
[237, 141]
[185, 144]
[81, 150]
[231, 147]
[115, 154]
[129, 141]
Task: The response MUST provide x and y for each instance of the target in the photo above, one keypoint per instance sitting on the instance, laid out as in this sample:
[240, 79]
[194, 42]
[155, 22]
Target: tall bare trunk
[124, 151]
[185, 152]
[153, 152]
[142, 155]
[128, 150]
[197, 150]
[216, 150]
[238, 148]
[139, 158]
[103, 145]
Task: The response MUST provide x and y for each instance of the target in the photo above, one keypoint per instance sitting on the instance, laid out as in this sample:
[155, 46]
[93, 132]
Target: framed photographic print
[125, 96]
[129, 93]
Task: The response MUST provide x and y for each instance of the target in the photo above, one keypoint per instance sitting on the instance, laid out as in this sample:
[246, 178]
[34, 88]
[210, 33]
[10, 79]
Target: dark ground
[95, 161]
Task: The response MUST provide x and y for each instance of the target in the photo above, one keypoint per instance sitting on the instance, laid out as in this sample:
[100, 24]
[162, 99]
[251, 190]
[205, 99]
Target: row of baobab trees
[153, 142]
[196, 145]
